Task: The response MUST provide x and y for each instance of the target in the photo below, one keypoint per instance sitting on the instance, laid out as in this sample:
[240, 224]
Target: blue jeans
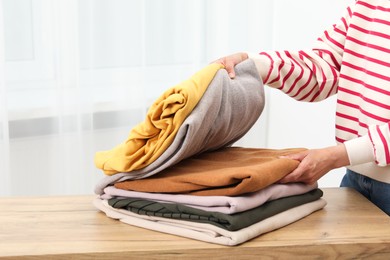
[375, 191]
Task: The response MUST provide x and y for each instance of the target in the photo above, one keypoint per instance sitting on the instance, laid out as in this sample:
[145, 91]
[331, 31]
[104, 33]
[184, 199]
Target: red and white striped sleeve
[363, 113]
[310, 75]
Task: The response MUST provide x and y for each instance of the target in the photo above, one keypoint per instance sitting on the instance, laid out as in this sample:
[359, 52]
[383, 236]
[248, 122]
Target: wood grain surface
[69, 227]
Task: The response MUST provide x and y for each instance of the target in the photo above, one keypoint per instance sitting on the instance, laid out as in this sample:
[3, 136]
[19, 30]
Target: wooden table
[70, 227]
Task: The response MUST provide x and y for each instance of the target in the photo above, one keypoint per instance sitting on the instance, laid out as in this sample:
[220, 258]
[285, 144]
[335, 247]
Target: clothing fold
[207, 232]
[150, 138]
[179, 173]
[223, 204]
[231, 222]
[225, 113]
[229, 171]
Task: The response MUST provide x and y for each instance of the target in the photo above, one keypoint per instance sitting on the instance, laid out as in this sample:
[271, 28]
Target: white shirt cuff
[360, 150]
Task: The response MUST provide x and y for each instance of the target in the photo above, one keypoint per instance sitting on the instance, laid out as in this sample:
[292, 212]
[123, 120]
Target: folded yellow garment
[149, 139]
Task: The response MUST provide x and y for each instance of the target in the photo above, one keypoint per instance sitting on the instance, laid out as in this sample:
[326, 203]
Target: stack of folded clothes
[178, 173]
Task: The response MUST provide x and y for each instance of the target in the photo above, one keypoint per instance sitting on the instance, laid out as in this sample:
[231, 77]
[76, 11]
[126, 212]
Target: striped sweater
[352, 60]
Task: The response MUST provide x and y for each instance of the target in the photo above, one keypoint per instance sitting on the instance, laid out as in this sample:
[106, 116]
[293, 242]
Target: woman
[352, 60]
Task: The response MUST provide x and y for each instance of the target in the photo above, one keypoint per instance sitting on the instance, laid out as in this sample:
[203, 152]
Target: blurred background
[77, 75]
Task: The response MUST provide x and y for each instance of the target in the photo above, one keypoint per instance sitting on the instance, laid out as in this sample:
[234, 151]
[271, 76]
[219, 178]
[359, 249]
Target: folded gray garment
[225, 113]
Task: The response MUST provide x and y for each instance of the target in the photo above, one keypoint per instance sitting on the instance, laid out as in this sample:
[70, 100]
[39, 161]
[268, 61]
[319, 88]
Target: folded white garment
[207, 232]
[223, 204]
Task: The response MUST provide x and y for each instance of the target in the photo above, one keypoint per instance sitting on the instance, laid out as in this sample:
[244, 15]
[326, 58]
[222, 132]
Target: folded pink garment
[207, 232]
[223, 204]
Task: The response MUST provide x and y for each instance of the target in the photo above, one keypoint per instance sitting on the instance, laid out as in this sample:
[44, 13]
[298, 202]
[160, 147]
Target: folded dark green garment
[229, 222]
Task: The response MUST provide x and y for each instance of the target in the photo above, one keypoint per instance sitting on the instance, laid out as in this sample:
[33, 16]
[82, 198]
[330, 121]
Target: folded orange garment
[226, 172]
[149, 139]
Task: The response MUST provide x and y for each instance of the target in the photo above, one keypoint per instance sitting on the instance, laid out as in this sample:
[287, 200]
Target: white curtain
[77, 75]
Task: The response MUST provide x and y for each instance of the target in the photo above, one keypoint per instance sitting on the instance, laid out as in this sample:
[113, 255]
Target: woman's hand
[230, 61]
[316, 163]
